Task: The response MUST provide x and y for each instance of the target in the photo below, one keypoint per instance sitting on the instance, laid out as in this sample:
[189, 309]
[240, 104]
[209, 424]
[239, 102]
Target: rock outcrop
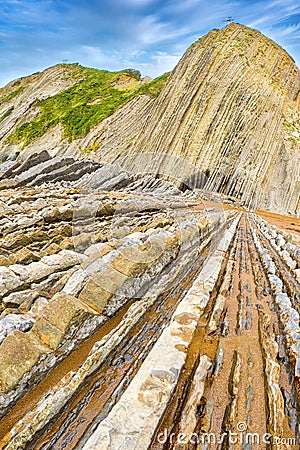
[73, 252]
[230, 109]
[131, 311]
[18, 99]
[168, 331]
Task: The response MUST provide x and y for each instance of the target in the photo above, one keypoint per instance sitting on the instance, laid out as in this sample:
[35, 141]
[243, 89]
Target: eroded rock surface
[207, 305]
[230, 109]
[136, 310]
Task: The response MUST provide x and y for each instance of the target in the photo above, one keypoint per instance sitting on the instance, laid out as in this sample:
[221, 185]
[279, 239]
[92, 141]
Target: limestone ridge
[230, 108]
[73, 118]
[18, 99]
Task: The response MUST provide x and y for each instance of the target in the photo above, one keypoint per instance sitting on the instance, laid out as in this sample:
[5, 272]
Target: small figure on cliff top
[228, 20]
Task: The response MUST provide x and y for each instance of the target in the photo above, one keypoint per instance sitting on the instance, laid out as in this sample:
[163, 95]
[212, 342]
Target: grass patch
[93, 98]
[7, 113]
[13, 94]
[154, 88]
[92, 148]
[131, 140]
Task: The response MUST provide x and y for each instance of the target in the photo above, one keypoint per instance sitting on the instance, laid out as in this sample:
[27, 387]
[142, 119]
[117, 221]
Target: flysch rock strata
[230, 108]
[287, 306]
[132, 306]
[40, 169]
[54, 260]
[73, 260]
[131, 423]
[56, 399]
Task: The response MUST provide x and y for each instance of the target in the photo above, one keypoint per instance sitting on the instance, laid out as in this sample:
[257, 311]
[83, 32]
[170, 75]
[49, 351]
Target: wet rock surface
[207, 299]
[132, 312]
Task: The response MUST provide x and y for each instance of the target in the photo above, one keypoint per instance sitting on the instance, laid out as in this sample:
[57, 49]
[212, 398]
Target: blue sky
[149, 35]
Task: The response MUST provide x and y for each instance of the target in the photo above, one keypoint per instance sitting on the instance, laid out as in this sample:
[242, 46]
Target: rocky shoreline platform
[133, 314]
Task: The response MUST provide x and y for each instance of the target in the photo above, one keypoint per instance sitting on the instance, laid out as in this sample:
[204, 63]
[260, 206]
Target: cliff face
[73, 110]
[133, 314]
[19, 98]
[106, 141]
[230, 109]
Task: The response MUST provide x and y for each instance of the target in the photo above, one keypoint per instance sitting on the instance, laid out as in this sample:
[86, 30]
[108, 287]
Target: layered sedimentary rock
[42, 170]
[190, 336]
[133, 313]
[73, 253]
[21, 104]
[230, 109]
[20, 96]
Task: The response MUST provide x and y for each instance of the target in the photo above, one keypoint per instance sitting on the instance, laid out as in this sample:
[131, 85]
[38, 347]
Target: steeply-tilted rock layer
[230, 107]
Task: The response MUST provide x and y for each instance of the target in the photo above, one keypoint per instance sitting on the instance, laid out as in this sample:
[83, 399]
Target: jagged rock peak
[231, 108]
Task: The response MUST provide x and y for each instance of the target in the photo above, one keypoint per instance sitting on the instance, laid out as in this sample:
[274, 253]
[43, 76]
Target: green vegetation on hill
[154, 88]
[12, 94]
[96, 95]
[7, 113]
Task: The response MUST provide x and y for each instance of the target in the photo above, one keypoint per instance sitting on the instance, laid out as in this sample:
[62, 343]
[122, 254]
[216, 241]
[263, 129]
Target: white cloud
[152, 30]
[94, 55]
[261, 20]
[149, 35]
[160, 63]
[290, 29]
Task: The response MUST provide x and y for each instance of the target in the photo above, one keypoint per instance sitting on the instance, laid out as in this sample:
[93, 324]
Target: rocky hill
[230, 108]
[129, 319]
[60, 109]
